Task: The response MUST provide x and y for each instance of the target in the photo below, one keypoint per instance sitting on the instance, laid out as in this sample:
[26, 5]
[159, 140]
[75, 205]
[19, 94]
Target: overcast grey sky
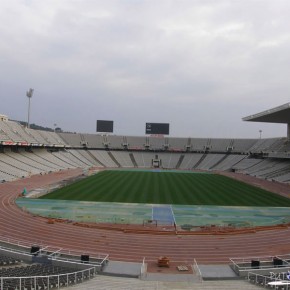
[200, 65]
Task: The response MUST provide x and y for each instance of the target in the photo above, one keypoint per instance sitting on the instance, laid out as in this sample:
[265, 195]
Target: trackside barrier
[278, 280]
[143, 272]
[21, 249]
[197, 271]
[47, 282]
[258, 279]
[242, 266]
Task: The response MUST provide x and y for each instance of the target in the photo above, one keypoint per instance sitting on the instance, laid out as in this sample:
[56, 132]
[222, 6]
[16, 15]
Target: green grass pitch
[167, 188]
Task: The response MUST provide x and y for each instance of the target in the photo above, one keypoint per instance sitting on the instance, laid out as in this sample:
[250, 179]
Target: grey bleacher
[85, 157]
[52, 138]
[123, 158]
[264, 145]
[37, 136]
[6, 177]
[135, 142]
[157, 143]
[86, 154]
[138, 156]
[272, 168]
[284, 146]
[7, 171]
[94, 140]
[70, 159]
[43, 164]
[38, 160]
[15, 132]
[32, 164]
[3, 135]
[79, 156]
[259, 166]
[170, 160]
[278, 145]
[10, 168]
[19, 130]
[246, 163]
[72, 139]
[53, 159]
[177, 143]
[65, 158]
[46, 158]
[103, 157]
[115, 142]
[144, 159]
[283, 177]
[209, 161]
[230, 161]
[243, 145]
[199, 144]
[11, 134]
[220, 145]
[189, 160]
[269, 168]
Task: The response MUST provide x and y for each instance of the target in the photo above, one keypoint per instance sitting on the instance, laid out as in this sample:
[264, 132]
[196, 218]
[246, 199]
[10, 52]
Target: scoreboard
[157, 128]
[105, 126]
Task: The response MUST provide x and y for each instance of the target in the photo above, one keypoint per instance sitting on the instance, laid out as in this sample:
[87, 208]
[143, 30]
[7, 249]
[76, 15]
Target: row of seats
[38, 276]
[8, 261]
[40, 161]
[11, 131]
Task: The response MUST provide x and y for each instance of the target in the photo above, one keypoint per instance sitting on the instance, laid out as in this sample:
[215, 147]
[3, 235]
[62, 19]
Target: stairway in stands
[179, 161]
[114, 159]
[133, 160]
[199, 161]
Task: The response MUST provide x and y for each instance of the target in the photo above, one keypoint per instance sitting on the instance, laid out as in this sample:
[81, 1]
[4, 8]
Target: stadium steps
[113, 283]
[273, 174]
[199, 161]
[114, 159]
[80, 157]
[179, 161]
[133, 159]
[219, 161]
[95, 158]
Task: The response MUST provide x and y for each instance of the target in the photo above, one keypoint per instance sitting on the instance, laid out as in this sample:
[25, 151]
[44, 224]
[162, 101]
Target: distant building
[3, 118]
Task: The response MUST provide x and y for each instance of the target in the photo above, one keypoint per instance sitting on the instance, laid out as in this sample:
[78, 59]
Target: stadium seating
[249, 156]
[40, 276]
[123, 158]
[170, 160]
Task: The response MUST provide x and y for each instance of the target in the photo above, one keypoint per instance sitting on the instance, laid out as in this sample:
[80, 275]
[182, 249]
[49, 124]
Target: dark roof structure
[279, 114]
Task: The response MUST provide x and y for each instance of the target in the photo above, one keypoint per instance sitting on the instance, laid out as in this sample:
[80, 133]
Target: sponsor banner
[8, 143]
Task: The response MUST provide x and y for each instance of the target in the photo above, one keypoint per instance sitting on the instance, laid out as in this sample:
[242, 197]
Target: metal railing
[47, 282]
[197, 270]
[143, 271]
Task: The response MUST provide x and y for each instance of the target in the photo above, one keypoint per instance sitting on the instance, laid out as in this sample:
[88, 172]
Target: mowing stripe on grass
[167, 187]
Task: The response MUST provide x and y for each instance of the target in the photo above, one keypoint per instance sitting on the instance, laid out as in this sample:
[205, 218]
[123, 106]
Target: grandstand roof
[279, 114]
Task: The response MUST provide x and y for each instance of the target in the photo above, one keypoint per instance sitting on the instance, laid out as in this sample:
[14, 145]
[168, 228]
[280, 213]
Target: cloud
[199, 65]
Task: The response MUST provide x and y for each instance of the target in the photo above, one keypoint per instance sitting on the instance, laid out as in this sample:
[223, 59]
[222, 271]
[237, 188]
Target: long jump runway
[163, 215]
[18, 224]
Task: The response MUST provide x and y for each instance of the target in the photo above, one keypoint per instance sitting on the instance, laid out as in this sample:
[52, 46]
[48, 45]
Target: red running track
[17, 224]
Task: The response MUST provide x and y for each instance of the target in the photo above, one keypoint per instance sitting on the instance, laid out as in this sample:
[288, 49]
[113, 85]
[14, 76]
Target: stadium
[124, 234]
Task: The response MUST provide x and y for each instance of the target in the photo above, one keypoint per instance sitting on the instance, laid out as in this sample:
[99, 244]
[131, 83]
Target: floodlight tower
[29, 96]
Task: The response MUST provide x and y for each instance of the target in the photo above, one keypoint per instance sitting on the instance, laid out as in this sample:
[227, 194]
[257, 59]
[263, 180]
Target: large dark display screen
[105, 126]
[157, 128]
